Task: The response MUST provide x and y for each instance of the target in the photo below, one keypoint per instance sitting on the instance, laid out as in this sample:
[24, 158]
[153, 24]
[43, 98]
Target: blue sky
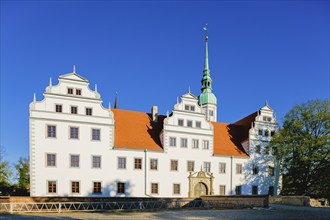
[150, 52]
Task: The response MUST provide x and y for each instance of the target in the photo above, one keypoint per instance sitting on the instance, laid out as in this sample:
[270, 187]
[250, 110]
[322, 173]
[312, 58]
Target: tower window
[211, 113]
[70, 91]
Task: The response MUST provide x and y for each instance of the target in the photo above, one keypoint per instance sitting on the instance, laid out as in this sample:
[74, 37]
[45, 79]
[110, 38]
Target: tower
[207, 99]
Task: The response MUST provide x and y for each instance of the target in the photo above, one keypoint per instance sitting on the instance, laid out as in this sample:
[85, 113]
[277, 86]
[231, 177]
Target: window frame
[121, 161]
[67, 91]
[78, 92]
[152, 188]
[48, 182]
[75, 187]
[222, 167]
[52, 131]
[88, 111]
[73, 135]
[193, 165]
[100, 162]
[207, 166]
[141, 161]
[203, 144]
[198, 124]
[176, 189]
[194, 145]
[121, 187]
[184, 142]
[172, 141]
[92, 134]
[76, 110]
[151, 164]
[50, 165]
[58, 108]
[189, 123]
[74, 161]
[94, 187]
[222, 187]
[174, 165]
[254, 190]
[239, 168]
[179, 122]
[238, 190]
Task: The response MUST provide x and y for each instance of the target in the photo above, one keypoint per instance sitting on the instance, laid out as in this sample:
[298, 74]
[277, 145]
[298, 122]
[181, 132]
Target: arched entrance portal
[200, 190]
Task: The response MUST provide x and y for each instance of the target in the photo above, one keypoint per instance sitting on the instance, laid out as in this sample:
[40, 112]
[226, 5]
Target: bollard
[59, 207]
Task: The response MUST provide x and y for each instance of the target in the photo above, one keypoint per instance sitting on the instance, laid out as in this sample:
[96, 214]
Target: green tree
[5, 170]
[23, 171]
[302, 149]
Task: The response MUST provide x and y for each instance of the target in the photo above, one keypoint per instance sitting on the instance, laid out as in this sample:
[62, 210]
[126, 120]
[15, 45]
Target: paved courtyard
[275, 212]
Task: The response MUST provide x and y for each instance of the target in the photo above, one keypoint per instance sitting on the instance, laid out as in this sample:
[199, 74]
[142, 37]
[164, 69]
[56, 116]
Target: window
[266, 133]
[186, 107]
[271, 190]
[184, 142]
[176, 188]
[121, 188]
[174, 165]
[189, 123]
[74, 132]
[222, 190]
[89, 111]
[97, 187]
[51, 160]
[172, 142]
[51, 186]
[255, 169]
[96, 162]
[269, 119]
[266, 152]
[138, 163]
[189, 108]
[78, 91]
[222, 167]
[270, 171]
[121, 162]
[192, 108]
[264, 118]
[254, 190]
[96, 134]
[74, 160]
[258, 149]
[74, 110]
[205, 144]
[195, 143]
[190, 166]
[58, 108]
[207, 167]
[75, 187]
[259, 132]
[180, 122]
[154, 188]
[198, 124]
[239, 169]
[70, 91]
[272, 133]
[153, 164]
[211, 113]
[238, 190]
[51, 131]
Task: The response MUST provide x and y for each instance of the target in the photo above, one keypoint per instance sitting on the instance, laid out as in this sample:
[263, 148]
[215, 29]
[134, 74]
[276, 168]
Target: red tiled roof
[227, 140]
[137, 130]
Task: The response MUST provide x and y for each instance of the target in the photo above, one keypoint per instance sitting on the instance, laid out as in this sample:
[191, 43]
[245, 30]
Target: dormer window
[70, 91]
[189, 108]
[78, 91]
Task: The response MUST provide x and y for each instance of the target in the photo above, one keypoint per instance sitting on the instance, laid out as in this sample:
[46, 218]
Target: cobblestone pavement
[275, 212]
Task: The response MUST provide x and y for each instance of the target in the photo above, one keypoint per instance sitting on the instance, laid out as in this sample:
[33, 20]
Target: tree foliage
[302, 147]
[23, 171]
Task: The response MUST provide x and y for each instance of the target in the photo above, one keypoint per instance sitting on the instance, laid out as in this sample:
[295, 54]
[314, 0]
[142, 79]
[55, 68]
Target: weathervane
[206, 32]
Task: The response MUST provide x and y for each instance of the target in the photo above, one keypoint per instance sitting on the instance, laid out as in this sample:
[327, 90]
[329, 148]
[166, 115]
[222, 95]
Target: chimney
[154, 113]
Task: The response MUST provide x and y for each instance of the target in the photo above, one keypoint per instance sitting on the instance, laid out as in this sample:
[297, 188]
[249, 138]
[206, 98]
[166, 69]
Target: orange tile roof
[227, 140]
[137, 130]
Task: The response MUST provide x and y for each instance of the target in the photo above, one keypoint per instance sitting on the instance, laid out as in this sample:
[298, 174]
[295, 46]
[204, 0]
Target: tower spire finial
[50, 81]
[74, 68]
[34, 97]
[116, 101]
[206, 32]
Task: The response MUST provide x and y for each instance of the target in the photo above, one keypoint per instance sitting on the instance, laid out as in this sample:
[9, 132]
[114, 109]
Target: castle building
[80, 148]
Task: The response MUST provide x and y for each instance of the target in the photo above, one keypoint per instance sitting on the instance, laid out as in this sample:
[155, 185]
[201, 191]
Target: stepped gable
[136, 130]
[227, 140]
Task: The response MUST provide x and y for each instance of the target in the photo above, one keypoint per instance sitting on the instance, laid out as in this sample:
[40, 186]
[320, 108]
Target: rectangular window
[271, 190]
[254, 190]
[186, 107]
[74, 160]
[184, 142]
[78, 91]
[154, 188]
[121, 162]
[180, 122]
[172, 141]
[195, 143]
[51, 160]
[70, 91]
[238, 190]
[266, 150]
[96, 161]
[255, 169]
[198, 124]
[270, 171]
[258, 149]
[153, 164]
[176, 188]
[272, 133]
[58, 108]
[74, 110]
[51, 131]
[97, 187]
[264, 118]
[259, 132]
[239, 169]
[222, 167]
[51, 186]
[96, 134]
[138, 163]
[121, 188]
[222, 190]
[189, 123]
[75, 187]
[74, 133]
[89, 111]
[189, 108]
[207, 167]
[190, 166]
[192, 108]
[211, 113]
[269, 119]
[266, 133]
[174, 165]
[205, 144]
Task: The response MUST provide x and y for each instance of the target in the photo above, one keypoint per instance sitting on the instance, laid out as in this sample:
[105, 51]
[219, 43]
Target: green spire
[207, 97]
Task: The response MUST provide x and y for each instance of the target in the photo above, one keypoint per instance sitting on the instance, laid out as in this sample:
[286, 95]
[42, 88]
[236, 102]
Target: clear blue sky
[151, 51]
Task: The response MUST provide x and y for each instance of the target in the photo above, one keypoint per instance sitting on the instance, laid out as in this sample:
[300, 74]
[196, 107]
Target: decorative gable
[73, 76]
